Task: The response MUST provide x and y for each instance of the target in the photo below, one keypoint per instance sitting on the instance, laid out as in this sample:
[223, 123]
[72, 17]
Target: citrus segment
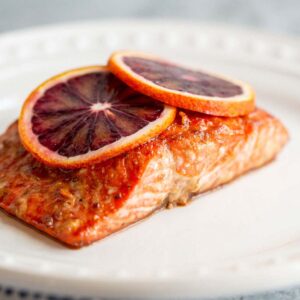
[182, 87]
[86, 116]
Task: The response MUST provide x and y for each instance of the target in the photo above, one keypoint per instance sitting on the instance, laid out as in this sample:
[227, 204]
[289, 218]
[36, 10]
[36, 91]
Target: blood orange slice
[88, 115]
[182, 87]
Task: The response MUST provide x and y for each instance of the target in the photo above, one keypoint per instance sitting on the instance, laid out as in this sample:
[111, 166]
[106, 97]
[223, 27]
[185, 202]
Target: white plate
[242, 238]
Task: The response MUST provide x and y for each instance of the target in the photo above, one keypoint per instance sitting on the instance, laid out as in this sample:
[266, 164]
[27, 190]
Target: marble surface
[276, 16]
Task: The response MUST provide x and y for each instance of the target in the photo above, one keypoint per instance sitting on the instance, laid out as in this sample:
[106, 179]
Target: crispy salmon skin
[195, 154]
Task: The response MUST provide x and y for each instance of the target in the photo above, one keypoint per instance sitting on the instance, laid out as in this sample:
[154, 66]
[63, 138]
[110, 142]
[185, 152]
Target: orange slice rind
[87, 115]
[182, 87]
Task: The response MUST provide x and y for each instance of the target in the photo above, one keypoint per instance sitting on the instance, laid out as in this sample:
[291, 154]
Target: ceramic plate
[242, 238]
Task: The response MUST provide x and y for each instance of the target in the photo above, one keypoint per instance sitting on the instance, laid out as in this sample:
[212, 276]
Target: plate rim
[281, 58]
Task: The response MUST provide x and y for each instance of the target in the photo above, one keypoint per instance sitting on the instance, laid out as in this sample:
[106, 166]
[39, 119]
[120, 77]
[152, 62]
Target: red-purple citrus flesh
[182, 79]
[90, 111]
[181, 86]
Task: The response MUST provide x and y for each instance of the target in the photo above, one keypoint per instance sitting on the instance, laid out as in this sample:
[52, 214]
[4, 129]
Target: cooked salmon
[195, 154]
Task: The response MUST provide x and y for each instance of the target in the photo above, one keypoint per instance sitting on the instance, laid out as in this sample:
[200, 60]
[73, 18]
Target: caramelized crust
[196, 153]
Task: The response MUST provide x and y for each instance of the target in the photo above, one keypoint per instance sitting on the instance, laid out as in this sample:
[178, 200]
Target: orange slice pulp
[88, 115]
[182, 87]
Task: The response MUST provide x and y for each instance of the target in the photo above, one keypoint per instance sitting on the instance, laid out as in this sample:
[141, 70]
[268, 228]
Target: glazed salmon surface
[195, 154]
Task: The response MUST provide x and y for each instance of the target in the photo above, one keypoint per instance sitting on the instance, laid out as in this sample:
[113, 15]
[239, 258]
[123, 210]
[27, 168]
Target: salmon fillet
[195, 154]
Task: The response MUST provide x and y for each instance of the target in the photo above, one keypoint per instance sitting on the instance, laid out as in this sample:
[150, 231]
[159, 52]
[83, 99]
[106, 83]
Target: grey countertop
[273, 15]
[278, 16]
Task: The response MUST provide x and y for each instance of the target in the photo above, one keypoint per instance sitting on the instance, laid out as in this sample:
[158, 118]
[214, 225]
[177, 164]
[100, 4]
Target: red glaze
[196, 153]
